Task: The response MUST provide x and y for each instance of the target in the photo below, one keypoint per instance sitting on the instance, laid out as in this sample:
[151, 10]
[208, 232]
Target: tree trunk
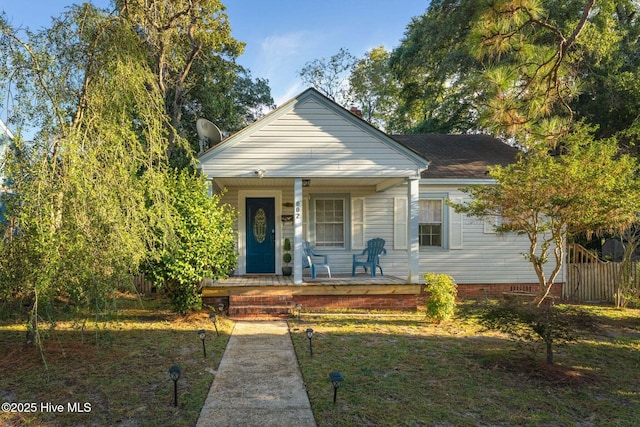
[32, 325]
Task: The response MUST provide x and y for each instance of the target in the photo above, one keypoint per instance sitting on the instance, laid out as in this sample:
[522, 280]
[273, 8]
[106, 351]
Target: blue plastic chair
[375, 248]
[309, 255]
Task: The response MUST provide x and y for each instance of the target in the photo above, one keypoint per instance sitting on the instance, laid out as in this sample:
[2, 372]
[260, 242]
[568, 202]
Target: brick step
[260, 299]
[260, 306]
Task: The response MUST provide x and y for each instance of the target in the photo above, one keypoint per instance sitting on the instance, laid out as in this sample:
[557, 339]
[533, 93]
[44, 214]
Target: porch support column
[413, 244]
[297, 231]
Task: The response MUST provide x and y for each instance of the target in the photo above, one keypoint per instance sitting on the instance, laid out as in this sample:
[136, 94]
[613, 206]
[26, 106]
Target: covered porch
[312, 171]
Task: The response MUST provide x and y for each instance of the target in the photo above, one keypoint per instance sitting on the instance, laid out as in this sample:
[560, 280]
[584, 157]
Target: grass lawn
[398, 370]
[404, 371]
[117, 365]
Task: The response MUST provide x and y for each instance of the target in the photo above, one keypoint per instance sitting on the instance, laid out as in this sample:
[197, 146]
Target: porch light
[174, 374]
[212, 316]
[202, 334]
[310, 336]
[336, 379]
[306, 182]
[221, 308]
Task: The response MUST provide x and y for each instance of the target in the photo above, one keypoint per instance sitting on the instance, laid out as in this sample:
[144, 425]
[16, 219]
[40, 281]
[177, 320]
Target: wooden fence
[142, 285]
[590, 279]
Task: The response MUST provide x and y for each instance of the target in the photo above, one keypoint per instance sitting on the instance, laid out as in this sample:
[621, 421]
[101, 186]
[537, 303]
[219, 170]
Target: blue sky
[281, 35]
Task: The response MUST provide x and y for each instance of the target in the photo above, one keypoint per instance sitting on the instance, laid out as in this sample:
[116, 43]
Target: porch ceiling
[379, 183]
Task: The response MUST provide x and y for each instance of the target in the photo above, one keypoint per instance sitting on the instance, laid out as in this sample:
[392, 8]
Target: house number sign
[260, 226]
[298, 209]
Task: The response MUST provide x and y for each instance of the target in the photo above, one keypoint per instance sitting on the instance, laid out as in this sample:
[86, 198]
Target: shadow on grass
[118, 370]
[408, 372]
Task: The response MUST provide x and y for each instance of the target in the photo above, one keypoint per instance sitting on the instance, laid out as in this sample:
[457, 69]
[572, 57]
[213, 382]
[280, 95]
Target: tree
[375, 90]
[228, 96]
[589, 187]
[529, 67]
[331, 76]
[203, 245]
[103, 117]
[76, 235]
[548, 323]
[464, 60]
[189, 44]
[627, 291]
[436, 72]
[610, 93]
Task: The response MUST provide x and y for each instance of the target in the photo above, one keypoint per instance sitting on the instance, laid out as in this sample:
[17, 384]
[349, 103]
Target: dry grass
[398, 370]
[118, 366]
[404, 371]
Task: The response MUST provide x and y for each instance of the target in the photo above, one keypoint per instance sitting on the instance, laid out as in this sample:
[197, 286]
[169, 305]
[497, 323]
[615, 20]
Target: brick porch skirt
[397, 302]
[496, 290]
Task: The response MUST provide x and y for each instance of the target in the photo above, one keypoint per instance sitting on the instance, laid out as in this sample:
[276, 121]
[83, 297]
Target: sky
[281, 36]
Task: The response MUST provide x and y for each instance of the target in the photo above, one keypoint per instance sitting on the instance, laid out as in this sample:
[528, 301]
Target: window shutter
[400, 218]
[357, 223]
[455, 226]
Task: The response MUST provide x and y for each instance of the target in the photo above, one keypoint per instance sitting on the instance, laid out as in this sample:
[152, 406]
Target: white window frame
[346, 232]
[443, 240]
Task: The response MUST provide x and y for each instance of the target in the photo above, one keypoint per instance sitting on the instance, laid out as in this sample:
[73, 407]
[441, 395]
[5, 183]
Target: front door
[261, 235]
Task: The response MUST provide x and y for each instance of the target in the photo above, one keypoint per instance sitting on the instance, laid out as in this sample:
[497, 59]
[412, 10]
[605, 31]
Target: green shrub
[441, 292]
[528, 322]
[202, 244]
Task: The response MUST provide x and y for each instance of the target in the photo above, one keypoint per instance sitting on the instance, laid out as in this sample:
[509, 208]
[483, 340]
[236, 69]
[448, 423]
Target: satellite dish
[208, 133]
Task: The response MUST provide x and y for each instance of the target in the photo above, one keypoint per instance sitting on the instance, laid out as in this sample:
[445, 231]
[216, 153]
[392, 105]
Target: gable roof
[311, 136]
[459, 156]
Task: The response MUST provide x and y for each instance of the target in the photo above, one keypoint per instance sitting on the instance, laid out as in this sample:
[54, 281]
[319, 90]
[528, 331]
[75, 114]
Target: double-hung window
[430, 231]
[330, 222]
[439, 225]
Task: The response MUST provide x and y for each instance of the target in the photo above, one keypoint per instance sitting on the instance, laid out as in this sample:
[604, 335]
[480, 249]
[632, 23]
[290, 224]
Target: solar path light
[336, 379]
[310, 336]
[202, 334]
[212, 316]
[174, 374]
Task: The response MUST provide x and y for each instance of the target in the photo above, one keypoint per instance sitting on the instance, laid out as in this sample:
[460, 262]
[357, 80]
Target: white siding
[310, 138]
[481, 258]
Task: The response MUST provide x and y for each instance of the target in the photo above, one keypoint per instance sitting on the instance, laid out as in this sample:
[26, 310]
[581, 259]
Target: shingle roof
[459, 156]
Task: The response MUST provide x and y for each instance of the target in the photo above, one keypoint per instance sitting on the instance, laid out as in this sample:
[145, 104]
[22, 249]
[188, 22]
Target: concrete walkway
[258, 382]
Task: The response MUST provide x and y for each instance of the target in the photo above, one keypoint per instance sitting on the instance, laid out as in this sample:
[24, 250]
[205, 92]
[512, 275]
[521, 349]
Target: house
[311, 170]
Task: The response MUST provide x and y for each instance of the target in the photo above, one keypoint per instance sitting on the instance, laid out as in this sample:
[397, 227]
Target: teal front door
[261, 233]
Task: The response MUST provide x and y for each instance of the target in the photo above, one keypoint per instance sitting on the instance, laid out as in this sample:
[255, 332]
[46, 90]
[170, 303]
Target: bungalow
[311, 170]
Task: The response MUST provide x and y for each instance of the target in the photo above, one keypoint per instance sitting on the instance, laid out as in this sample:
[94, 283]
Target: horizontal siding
[484, 258]
[310, 140]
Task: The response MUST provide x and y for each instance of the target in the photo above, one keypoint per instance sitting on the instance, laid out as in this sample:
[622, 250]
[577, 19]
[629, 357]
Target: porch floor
[278, 280]
[361, 284]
